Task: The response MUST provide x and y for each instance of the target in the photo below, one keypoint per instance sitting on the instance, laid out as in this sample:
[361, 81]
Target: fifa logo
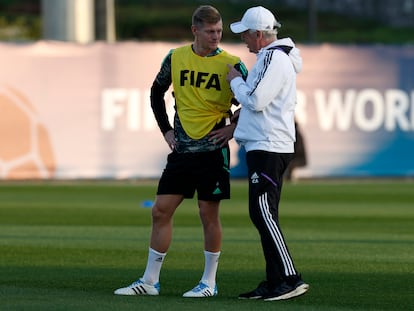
[200, 79]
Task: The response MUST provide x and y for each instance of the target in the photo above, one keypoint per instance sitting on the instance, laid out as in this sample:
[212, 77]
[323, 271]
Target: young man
[200, 155]
[266, 129]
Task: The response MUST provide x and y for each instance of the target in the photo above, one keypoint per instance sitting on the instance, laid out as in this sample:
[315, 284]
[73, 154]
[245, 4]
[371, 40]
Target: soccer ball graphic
[25, 148]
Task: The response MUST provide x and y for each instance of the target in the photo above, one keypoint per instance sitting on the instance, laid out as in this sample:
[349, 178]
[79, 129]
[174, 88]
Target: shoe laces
[201, 286]
[263, 287]
[137, 282]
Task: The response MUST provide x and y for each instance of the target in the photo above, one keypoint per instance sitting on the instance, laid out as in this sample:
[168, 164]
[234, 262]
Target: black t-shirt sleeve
[159, 87]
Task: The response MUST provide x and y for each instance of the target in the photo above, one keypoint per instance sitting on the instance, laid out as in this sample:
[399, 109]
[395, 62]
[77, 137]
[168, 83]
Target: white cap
[256, 18]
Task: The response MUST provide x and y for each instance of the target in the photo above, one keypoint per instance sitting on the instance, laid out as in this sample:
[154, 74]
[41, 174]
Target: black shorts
[207, 172]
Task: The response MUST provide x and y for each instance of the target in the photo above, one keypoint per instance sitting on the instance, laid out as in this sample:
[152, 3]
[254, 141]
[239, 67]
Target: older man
[266, 129]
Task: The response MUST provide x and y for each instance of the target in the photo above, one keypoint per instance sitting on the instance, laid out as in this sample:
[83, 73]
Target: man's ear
[193, 29]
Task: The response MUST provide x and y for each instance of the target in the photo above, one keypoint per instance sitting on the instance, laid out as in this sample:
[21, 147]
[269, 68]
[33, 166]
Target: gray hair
[266, 33]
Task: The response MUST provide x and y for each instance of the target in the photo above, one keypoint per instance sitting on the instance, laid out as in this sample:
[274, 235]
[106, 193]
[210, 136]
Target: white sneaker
[201, 290]
[139, 288]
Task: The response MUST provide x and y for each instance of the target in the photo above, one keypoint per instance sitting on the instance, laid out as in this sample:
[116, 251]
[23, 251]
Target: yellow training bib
[202, 94]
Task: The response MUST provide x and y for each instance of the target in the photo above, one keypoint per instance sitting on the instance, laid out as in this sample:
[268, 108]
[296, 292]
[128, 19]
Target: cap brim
[238, 27]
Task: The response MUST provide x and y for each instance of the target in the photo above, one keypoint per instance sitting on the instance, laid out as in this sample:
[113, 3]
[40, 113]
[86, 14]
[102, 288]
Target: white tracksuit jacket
[268, 99]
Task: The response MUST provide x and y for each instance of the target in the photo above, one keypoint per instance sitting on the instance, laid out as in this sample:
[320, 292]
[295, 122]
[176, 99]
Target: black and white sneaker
[286, 291]
[139, 287]
[261, 291]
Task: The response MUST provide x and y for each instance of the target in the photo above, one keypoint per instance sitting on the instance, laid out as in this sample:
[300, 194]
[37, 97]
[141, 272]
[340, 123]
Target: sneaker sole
[251, 298]
[199, 296]
[135, 293]
[300, 290]
[204, 294]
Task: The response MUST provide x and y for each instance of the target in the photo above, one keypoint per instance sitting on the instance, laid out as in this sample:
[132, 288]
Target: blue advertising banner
[357, 108]
[82, 111]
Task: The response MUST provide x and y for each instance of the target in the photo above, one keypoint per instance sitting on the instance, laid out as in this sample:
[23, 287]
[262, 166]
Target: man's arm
[158, 107]
[159, 87]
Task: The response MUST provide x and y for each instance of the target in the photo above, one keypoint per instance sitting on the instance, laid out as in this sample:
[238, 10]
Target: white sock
[152, 271]
[210, 268]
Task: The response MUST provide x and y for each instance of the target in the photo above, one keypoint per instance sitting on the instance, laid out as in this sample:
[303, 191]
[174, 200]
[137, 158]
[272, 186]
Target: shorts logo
[254, 178]
[217, 190]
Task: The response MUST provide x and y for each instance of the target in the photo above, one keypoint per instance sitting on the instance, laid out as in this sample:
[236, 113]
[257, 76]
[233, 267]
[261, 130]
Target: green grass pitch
[68, 245]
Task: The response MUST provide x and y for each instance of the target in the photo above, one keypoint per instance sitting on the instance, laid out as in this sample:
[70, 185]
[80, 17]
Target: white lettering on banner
[367, 109]
[117, 103]
[398, 103]
[365, 97]
[340, 109]
[129, 106]
[112, 107]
